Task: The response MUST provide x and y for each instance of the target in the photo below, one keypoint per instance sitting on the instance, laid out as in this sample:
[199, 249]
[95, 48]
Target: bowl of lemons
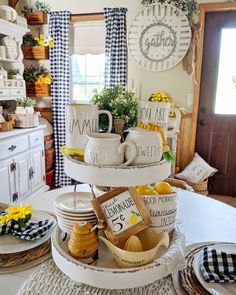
[161, 202]
[139, 249]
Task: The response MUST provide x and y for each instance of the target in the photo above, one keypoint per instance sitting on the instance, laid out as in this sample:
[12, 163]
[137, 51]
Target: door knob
[203, 122]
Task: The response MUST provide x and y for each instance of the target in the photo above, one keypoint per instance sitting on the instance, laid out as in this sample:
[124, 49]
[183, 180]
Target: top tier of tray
[116, 176]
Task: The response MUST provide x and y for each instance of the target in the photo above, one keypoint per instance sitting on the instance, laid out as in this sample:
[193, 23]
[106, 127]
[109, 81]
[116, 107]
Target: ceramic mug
[106, 149]
[148, 146]
[80, 120]
[158, 113]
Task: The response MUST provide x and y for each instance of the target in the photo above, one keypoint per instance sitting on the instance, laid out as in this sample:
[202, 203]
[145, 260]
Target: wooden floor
[225, 199]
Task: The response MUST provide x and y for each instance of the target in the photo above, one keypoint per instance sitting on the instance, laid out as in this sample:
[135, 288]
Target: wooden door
[216, 129]
[37, 168]
[22, 175]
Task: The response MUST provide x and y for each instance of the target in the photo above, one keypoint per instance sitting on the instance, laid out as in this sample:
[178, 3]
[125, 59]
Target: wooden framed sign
[123, 212]
[159, 37]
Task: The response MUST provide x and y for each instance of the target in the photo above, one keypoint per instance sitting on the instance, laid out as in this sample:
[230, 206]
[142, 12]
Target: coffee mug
[107, 150]
[158, 113]
[80, 120]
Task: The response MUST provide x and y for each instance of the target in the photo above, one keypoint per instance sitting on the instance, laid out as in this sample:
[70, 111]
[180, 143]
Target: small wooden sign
[123, 212]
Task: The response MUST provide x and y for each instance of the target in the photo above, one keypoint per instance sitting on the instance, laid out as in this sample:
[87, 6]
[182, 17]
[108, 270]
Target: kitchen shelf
[12, 30]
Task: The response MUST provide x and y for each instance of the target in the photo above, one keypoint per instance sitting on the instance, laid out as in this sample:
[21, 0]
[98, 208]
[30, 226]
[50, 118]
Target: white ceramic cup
[158, 113]
[80, 120]
[148, 146]
[107, 150]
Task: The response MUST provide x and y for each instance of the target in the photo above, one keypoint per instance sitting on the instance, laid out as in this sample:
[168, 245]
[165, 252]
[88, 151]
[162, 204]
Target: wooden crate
[35, 90]
[35, 52]
[36, 18]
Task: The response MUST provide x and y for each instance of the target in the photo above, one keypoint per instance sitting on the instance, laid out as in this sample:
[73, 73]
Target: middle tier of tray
[116, 176]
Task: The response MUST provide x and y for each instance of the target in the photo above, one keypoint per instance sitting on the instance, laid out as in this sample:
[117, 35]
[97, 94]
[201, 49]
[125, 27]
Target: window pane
[90, 90]
[226, 84]
[79, 92]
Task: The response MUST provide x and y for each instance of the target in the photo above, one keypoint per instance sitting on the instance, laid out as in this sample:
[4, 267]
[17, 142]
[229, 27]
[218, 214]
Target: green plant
[33, 73]
[25, 102]
[38, 6]
[189, 7]
[12, 73]
[122, 105]
[29, 40]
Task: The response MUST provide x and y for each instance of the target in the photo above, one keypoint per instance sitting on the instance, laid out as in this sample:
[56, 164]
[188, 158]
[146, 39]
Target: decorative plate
[215, 288]
[159, 37]
[10, 244]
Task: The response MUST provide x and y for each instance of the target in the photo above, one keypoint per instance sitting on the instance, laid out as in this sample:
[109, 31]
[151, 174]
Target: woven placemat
[187, 276]
[49, 280]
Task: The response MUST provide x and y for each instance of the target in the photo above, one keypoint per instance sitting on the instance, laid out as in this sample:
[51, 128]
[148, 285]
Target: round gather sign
[159, 37]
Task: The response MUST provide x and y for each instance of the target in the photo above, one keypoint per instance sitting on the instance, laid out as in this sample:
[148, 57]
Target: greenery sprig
[25, 102]
[38, 6]
[121, 103]
[189, 7]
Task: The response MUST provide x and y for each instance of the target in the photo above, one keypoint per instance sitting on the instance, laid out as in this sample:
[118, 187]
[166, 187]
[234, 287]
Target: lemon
[163, 188]
[142, 189]
[133, 219]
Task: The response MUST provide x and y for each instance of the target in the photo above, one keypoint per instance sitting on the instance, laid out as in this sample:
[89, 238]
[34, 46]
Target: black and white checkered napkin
[217, 266]
[30, 231]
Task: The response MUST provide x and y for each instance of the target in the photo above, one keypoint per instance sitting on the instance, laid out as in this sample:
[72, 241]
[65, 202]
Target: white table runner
[49, 280]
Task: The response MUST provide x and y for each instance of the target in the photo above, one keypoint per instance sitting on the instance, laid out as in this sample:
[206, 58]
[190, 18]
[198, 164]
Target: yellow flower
[51, 43]
[36, 38]
[41, 42]
[16, 213]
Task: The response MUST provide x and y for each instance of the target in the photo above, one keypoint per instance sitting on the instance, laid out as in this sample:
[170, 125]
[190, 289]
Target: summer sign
[159, 37]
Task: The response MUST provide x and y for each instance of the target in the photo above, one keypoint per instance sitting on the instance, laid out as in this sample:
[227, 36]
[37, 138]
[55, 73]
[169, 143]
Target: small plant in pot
[25, 106]
[122, 104]
[37, 13]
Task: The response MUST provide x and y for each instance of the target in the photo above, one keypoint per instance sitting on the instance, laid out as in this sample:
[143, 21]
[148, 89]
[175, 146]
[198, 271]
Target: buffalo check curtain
[115, 46]
[60, 89]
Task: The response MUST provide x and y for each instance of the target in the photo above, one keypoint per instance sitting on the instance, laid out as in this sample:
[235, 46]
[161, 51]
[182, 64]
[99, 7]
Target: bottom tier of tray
[106, 274]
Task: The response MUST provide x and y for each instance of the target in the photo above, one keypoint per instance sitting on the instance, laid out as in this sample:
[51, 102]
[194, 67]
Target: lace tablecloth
[49, 280]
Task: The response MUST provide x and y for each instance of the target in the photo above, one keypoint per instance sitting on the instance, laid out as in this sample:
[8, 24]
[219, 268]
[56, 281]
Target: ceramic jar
[80, 120]
[148, 146]
[158, 113]
[107, 150]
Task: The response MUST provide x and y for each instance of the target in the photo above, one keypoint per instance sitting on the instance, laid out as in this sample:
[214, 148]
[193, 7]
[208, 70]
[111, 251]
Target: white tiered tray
[116, 176]
[106, 273]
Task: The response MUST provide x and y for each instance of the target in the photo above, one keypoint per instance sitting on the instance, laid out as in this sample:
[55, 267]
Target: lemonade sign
[123, 212]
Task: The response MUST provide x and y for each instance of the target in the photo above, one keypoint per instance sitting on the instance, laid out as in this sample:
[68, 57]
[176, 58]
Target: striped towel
[218, 267]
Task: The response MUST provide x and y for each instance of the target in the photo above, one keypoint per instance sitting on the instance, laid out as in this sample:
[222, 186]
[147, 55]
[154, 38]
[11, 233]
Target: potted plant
[13, 74]
[36, 47]
[122, 104]
[38, 80]
[36, 14]
[25, 106]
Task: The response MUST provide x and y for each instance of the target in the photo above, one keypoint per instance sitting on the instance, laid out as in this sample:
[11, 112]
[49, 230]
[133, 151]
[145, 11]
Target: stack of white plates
[72, 208]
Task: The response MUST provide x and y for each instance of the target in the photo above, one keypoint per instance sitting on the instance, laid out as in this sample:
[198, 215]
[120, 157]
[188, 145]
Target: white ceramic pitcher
[80, 120]
[148, 146]
[107, 150]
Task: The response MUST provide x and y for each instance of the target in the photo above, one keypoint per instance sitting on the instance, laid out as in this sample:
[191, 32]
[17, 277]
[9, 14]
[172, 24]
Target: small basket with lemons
[161, 201]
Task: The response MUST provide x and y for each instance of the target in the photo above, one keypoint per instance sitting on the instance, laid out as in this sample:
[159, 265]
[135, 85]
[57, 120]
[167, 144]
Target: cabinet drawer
[36, 138]
[17, 91]
[9, 148]
[4, 92]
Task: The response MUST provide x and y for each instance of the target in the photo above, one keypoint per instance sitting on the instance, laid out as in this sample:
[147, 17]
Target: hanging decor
[159, 37]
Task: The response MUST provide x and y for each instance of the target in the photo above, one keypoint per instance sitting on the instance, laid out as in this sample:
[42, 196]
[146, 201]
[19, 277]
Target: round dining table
[199, 218]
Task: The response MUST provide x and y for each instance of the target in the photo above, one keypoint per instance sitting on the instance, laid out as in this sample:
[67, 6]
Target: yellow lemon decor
[133, 244]
[145, 190]
[163, 188]
[160, 97]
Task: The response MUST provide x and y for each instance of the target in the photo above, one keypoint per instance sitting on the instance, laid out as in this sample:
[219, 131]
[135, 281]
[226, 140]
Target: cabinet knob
[12, 148]
[15, 197]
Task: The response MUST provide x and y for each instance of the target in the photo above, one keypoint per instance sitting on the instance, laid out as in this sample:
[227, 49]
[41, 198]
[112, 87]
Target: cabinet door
[22, 175]
[7, 183]
[38, 168]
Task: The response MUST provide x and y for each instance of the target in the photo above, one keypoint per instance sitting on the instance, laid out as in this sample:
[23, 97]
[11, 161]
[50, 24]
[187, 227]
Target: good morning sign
[123, 212]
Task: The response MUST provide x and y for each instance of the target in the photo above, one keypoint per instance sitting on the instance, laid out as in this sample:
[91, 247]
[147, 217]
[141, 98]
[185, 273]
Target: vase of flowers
[38, 80]
[122, 104]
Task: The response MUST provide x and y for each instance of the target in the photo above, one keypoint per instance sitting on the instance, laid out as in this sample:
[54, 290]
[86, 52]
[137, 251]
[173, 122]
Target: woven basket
[36, 90]
[27, 121]
[200, 188]
[6, 126]
[35, 52]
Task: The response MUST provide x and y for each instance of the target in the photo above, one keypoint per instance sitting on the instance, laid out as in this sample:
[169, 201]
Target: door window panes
[225, 102]
[87, 75]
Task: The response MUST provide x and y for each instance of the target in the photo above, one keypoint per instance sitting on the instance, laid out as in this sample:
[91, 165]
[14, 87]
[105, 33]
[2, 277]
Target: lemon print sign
[121, 212]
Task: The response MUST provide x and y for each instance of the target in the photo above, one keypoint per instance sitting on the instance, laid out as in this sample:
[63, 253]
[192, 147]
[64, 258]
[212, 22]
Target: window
[87, 74]
[87, 59]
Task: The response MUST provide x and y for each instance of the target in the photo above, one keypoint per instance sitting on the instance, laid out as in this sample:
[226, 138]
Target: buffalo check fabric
[60, 89]
[30, 231]
[218, 267]
[115, 47]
